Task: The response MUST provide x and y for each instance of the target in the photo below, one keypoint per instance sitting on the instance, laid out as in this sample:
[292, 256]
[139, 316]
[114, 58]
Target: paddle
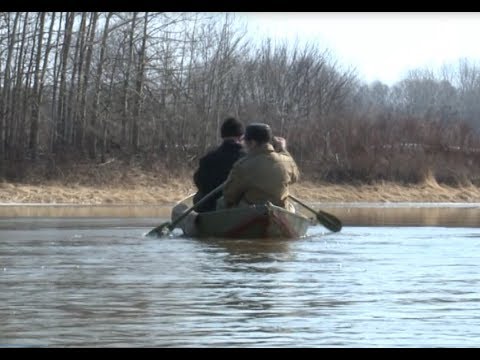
[328, 220]
[166, 227]
[186, 198]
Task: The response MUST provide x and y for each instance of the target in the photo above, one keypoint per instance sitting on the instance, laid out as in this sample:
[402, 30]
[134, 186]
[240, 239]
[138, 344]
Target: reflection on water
[84, 210]
[415, 216]
[64, 283]
[371, 214]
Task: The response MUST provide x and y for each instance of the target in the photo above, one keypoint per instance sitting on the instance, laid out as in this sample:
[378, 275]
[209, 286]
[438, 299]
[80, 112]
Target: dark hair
[261, 133]
[231, 127]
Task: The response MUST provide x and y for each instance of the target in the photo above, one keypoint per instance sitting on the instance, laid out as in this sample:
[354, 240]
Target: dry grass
[386, 192]
[109, 186]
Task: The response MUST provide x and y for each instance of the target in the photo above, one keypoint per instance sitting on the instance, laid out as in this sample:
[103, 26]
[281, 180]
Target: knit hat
[231, 127]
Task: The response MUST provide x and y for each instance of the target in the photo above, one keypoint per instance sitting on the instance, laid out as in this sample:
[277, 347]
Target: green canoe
[253, 222]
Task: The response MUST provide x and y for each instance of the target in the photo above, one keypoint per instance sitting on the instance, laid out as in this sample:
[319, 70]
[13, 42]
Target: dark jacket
[213, 170]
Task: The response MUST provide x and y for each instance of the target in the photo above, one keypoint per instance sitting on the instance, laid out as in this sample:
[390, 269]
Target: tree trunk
[74, 88]
[139, 89]
[7, 83]
[126, 88]
[15, 105]
[36, 101]
[55, 81]
[62, 95]
[92, 148]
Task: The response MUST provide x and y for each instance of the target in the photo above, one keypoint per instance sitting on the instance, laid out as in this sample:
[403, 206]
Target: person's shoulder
[232, 151]
[284, 153]
[242, 160]
[231, 145]
[240, 154]
[283, 156]
[241, 148]
[212, 152]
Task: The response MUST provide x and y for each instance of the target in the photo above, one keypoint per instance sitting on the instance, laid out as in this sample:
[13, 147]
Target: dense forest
[145, 87]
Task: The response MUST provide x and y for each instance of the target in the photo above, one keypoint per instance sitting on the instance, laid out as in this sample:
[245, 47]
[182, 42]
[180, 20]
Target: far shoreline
[40, 215]
[167, 192]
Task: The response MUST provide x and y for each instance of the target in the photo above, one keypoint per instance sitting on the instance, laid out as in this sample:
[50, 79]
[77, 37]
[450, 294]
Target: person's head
[232, 128]
[257, 134]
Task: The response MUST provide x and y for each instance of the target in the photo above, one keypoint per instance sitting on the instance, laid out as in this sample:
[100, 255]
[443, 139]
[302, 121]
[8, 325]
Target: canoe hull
[253, 222]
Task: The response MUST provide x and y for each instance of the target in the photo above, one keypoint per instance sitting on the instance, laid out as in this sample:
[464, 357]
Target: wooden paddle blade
[160, 231]
[329, 221]
[324, 218]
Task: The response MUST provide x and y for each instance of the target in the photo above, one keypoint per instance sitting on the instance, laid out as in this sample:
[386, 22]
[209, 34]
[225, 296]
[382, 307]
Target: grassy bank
[113, 183]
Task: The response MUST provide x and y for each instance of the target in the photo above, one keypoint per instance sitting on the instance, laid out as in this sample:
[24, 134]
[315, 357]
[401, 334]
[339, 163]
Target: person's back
[263, 175]
[215, 166]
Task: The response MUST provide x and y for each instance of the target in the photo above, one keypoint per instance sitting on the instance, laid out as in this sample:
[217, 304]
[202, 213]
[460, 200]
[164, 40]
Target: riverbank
[149, 190]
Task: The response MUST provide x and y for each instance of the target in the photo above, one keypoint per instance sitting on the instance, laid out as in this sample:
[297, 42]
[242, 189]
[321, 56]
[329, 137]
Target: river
[395, 276]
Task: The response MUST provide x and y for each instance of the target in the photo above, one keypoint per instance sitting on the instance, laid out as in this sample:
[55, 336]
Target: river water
[395, 276]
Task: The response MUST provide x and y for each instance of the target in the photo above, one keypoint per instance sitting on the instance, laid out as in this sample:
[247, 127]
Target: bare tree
[60, 135]
[37, 84]
[93, 134]
[7, 84]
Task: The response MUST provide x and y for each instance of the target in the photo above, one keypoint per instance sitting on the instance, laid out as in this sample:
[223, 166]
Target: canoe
[252, 222]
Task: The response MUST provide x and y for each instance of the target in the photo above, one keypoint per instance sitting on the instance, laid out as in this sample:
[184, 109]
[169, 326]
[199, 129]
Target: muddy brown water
[397, 275]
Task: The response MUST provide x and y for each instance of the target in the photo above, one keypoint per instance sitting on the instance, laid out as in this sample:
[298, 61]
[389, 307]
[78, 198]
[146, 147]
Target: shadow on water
[251, 251]
[243, 274]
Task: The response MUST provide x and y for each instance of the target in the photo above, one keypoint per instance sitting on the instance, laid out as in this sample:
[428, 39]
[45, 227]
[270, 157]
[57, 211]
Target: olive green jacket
[262, 175]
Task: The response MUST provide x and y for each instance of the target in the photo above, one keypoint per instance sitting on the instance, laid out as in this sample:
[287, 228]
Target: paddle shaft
[195, 206]
[326, 219]
[186, 198]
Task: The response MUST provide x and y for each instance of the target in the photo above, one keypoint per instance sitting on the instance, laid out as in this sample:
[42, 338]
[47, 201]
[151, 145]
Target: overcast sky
[381, 46]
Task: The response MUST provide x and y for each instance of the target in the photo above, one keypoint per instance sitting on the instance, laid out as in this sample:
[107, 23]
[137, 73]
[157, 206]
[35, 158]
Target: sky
[380, 46]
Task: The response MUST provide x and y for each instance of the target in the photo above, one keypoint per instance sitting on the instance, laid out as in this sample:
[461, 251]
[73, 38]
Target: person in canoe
[213, 170]
[215, 166]
[264, 175]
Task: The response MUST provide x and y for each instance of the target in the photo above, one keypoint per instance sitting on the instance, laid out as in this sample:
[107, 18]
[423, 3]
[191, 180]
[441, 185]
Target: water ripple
[362, 287]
